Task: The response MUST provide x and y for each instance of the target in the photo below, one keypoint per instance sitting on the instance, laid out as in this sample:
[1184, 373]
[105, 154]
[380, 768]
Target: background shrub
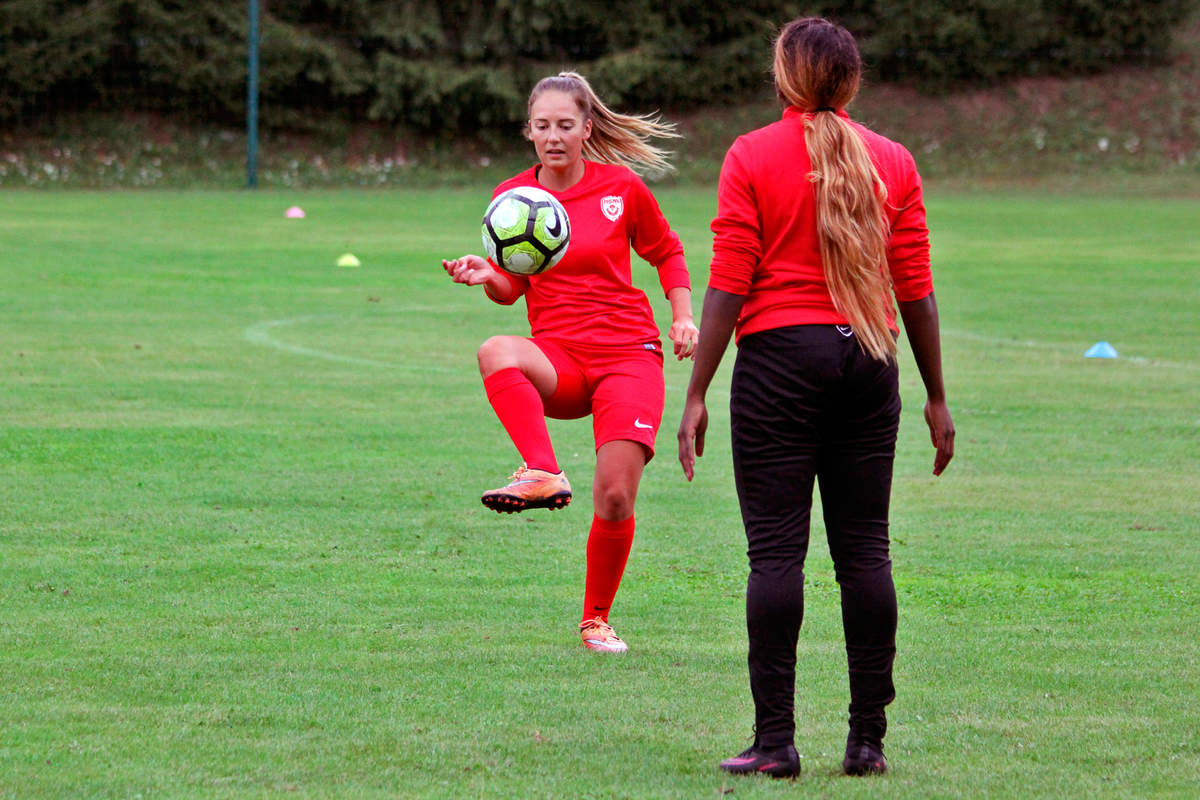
[456, 65]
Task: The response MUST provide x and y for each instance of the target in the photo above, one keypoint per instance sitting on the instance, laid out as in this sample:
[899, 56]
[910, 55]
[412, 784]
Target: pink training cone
[295, 212]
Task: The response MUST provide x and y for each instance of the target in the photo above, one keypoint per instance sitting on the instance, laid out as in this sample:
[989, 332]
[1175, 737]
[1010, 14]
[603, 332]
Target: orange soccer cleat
[598, 635]
[530, 488]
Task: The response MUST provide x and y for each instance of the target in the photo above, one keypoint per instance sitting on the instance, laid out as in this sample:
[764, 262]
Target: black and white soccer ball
[526, 230]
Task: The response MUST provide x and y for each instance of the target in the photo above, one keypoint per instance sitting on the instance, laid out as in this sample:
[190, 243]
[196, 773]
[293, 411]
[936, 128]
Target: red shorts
[621, 387]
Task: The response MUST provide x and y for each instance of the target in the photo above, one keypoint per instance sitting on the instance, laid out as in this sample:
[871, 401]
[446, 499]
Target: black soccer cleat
[782, 762]
[863, 757]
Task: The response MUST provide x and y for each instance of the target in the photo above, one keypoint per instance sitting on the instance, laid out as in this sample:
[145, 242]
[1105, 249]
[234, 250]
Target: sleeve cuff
[914, 291]
[516, 287]
[729, 278]
[673, 273]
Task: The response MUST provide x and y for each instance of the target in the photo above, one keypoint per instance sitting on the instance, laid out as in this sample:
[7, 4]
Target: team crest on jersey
[613, 206]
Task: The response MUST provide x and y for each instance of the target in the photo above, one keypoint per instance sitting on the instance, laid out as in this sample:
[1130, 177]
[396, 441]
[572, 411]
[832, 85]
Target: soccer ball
[526, 230]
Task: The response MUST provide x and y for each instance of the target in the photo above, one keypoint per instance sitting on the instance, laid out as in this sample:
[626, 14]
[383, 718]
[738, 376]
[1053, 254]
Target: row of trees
[461, 65]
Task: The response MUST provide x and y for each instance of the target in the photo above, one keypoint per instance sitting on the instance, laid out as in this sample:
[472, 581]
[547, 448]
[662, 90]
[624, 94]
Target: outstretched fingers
[469, 269]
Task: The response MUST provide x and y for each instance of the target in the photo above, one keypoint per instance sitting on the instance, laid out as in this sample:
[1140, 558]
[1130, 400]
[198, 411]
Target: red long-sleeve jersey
[765, 234]
[589, 296]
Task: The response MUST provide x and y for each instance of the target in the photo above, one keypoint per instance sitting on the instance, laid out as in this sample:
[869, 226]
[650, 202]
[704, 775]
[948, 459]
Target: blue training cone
[1101, 350]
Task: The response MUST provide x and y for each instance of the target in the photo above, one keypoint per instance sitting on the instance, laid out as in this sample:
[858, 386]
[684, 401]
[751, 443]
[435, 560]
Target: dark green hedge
[941, 44]
[455, 65]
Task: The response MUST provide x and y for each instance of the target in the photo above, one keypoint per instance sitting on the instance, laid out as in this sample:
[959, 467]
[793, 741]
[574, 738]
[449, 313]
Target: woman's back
[765, 234]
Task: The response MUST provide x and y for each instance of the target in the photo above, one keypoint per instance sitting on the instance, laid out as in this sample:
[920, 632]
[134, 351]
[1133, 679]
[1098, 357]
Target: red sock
[607, 551]
[519, 407]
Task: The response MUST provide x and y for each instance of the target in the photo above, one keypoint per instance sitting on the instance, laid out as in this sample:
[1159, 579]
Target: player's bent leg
[518, 378]
[504, 352]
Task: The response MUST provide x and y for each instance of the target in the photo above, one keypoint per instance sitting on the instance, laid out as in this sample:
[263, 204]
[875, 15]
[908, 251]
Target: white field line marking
[1065, 350]
[260, 333]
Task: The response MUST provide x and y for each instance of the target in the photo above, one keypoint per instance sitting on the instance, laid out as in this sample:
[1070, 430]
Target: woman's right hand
[469, 269]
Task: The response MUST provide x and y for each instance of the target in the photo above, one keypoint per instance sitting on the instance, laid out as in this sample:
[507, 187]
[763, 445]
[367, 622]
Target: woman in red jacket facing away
[819, 222]
[595, 346]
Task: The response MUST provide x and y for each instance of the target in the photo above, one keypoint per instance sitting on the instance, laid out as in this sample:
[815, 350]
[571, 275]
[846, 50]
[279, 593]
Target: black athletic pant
[807, 402]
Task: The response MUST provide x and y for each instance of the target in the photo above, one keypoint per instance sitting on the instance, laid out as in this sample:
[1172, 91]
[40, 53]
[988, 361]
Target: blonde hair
[616, 138]
[818, 69]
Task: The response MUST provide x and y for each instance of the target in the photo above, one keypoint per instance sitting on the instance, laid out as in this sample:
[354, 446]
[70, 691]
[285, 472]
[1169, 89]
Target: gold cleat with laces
[530, 488]
[598, 635]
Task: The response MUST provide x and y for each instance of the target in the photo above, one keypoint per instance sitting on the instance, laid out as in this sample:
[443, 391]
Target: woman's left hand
[684, 335]
[692, 428]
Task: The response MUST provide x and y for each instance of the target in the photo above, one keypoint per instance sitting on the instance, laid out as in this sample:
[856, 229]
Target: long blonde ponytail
[616, 138]
[818, 69]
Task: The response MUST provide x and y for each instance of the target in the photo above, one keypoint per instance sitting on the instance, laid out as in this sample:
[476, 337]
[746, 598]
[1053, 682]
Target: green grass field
[242, 552]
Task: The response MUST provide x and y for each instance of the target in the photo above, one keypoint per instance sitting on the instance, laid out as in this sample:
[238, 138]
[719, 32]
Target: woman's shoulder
[764, 140]
[883, 147]
[606, 172]
[614, 179]
[526, 177]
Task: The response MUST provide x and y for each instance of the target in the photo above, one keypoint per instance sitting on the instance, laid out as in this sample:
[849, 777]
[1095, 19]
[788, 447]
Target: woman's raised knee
[495, 354]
